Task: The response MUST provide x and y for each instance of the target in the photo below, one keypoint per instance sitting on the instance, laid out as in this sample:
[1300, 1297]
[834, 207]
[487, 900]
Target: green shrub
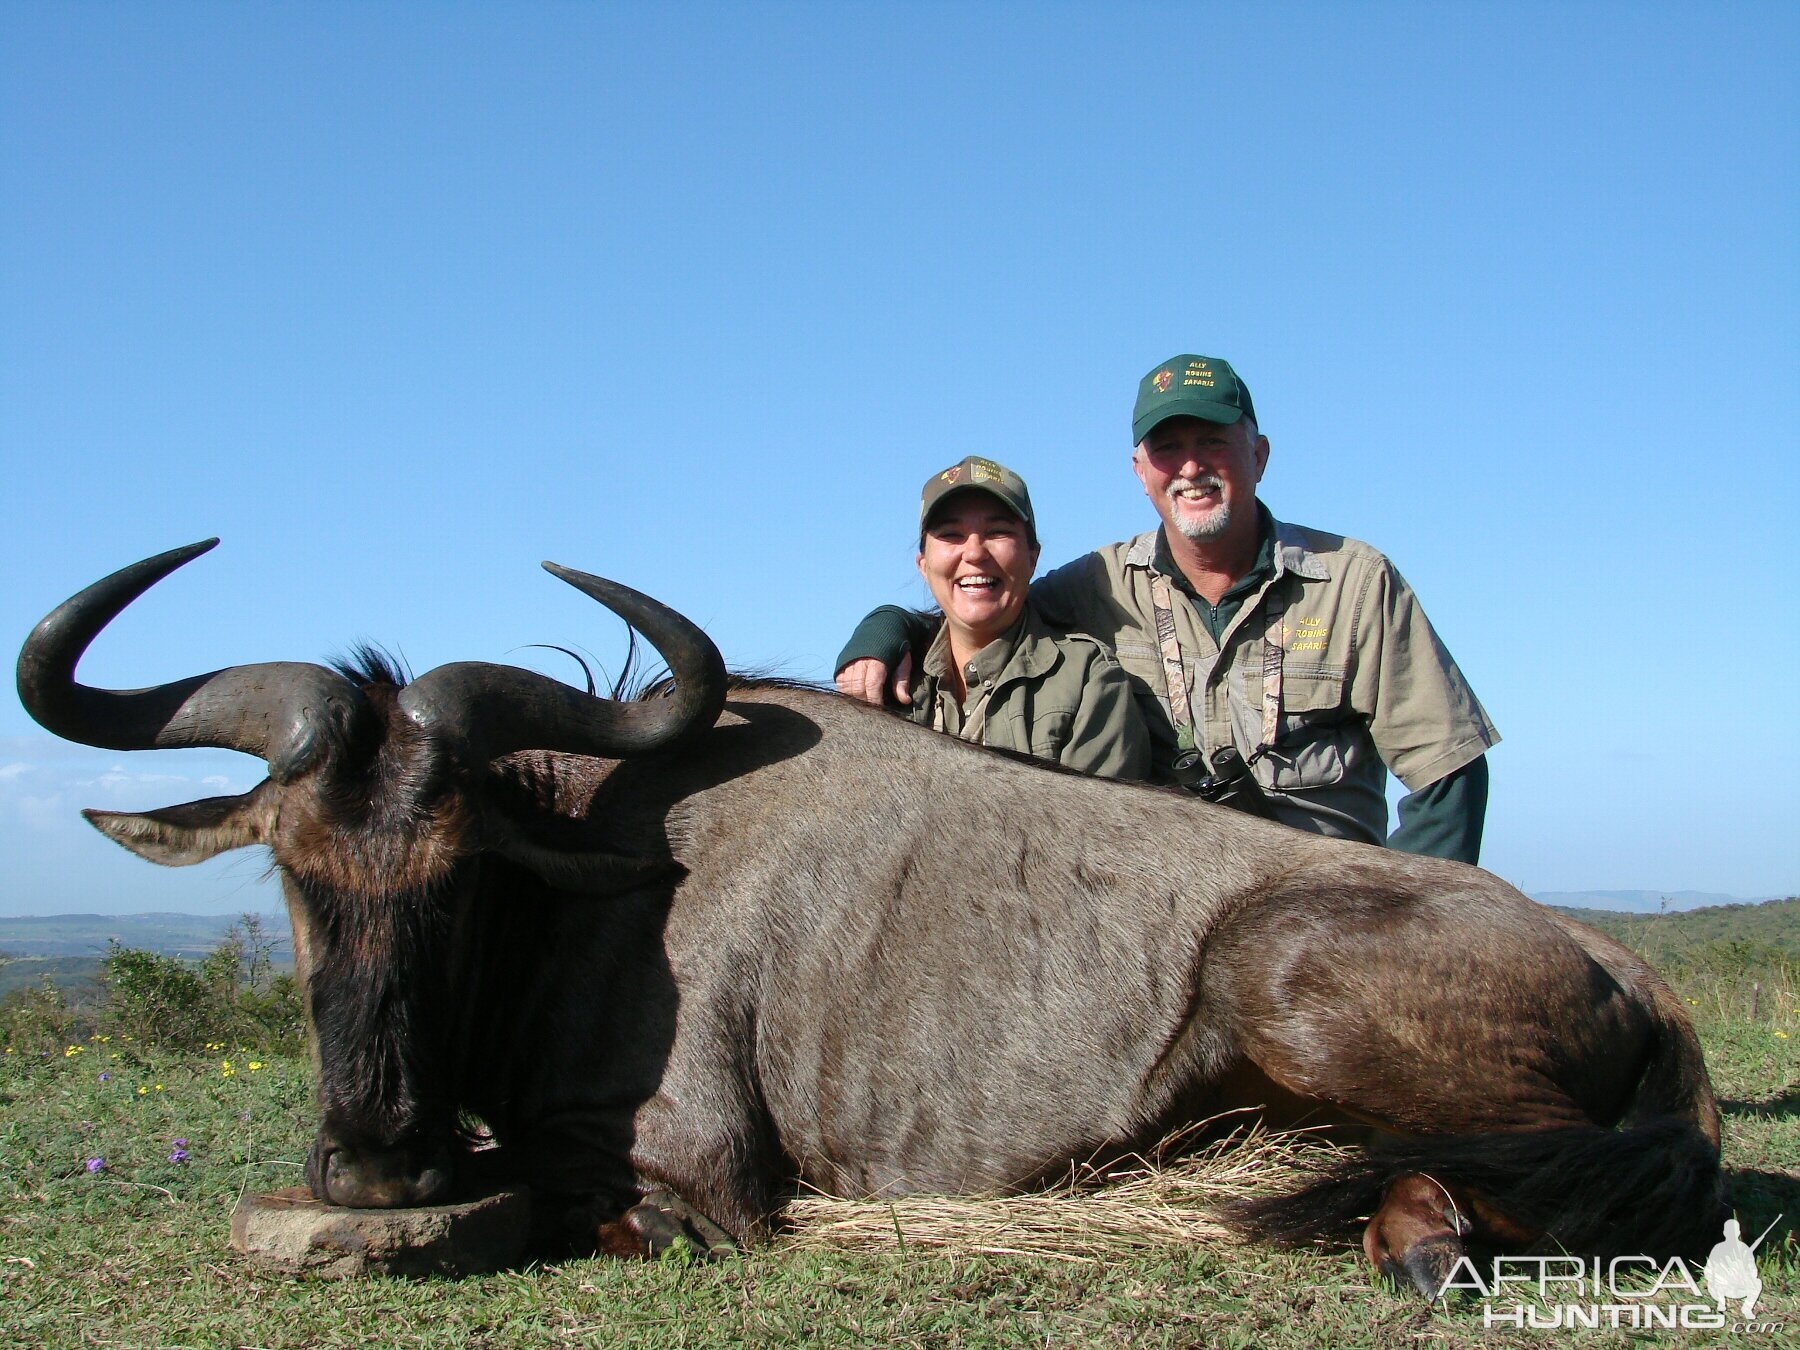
[1740, 958]
[266, 1008]
[158, 999]
[232, 995]
[38, 1018]
[275, 1015]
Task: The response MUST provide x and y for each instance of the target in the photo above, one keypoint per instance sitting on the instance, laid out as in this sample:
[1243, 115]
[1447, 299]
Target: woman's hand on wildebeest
[867, 679]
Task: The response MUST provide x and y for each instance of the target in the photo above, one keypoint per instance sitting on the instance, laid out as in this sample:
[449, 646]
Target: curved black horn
[489, 710]
[286, 712]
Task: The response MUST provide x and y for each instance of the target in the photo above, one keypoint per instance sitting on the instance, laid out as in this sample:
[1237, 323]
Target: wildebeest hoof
[660, 1222]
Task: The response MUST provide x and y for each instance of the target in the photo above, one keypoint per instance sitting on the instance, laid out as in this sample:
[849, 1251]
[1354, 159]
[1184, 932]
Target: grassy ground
[134, 1252]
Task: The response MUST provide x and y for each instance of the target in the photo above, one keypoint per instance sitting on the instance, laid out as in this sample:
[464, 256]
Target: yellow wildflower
[143, 1091]
[255, 1064]
[1782, 1034]
[73, 1051]
[159, 1087]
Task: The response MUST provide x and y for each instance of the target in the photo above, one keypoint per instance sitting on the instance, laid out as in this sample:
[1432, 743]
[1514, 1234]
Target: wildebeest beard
[380, 995]
[381, 920]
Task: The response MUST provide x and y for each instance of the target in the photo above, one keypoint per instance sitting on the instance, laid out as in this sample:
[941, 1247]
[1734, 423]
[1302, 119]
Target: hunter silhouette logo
[1571, 1291]
[1731, 1269]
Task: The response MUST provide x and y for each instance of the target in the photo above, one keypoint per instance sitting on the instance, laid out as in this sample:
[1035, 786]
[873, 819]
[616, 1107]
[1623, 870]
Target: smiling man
[1279, 669]
[993, 673]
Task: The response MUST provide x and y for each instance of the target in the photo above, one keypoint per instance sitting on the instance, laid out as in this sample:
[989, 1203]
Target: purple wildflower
[106, 1078]
[96, 1164]
[178, 1155]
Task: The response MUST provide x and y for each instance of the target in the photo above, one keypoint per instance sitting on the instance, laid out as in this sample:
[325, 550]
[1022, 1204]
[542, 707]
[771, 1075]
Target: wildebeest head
[373, 809]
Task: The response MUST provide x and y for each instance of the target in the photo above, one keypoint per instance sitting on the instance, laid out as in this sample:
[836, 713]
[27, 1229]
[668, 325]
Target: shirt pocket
[1141, 660]
[1314, 732]
[1049, 733]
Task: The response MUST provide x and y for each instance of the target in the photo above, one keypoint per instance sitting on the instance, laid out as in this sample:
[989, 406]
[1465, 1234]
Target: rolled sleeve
[885, 635]
[1424, 719]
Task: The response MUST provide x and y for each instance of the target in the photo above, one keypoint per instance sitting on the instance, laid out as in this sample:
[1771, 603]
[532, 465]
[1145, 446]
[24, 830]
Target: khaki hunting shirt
[1365, 684]
[1053, 696]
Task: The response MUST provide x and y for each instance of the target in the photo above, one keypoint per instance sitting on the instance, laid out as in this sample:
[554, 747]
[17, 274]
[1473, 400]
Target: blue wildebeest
[683, 953]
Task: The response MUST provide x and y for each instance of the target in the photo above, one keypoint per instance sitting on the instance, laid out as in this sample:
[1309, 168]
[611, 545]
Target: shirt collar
[992, 659]
[1280, 548]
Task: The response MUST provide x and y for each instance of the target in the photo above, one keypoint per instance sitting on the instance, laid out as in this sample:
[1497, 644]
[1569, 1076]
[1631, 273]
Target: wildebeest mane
[366, 664]
[735, 680]
[1054, 766]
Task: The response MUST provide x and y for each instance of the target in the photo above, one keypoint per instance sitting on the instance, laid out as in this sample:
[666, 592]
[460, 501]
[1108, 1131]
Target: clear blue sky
[401, 299]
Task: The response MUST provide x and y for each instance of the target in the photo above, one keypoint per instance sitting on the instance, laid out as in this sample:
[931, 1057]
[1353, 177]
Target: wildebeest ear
[176, 836]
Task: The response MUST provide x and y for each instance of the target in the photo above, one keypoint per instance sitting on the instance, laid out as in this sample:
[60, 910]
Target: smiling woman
[994, 673]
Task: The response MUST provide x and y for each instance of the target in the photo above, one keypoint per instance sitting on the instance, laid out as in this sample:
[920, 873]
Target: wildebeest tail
[1651, 1188]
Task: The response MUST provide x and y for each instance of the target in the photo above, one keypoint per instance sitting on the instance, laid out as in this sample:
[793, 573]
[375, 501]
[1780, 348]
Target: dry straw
[1094, 1214]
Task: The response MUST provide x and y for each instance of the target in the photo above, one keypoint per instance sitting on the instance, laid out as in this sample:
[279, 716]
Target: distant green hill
[184, 935]
[1726, 937]
[79, 976]
[1642, 902]
[68, 948]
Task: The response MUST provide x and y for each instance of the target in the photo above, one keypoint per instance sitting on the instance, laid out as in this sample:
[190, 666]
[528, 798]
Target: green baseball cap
[1190, 386]
[981, 475]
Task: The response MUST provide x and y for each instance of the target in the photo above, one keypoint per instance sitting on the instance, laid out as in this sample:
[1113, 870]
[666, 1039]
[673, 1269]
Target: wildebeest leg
[1506, 1068]
[1417, 1234]
[703, 1150]
[704, 1163]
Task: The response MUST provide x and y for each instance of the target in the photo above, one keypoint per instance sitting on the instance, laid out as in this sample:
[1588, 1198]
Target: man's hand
[866, 680]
